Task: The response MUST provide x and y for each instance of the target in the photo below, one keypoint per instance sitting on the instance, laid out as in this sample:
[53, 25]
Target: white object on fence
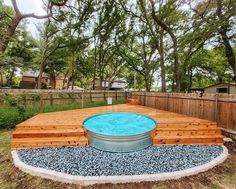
[109, 100]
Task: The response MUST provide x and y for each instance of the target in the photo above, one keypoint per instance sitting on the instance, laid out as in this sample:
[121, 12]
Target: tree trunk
[166, 28]
[110, 82]
[190, 79]
[52, 80]
[10, 32]
[1, 79]
[162, 63]
[95, 64]
[176, 64]
[229, 52]
[10, 78]
[94, 75]
[73, 70]
[68, 82]
[147, 84]
[64, 80]
[40, 76]
[72, 83]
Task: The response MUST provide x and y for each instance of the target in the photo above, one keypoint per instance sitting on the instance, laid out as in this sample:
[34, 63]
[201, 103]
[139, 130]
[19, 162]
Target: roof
[76, 88]
[231, 84]
[32, 74]
[195, 89]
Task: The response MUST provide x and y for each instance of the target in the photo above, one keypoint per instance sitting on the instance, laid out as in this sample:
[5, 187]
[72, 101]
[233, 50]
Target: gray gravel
[87, 161]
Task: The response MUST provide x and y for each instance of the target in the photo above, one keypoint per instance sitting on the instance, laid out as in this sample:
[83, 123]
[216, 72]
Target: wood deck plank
[65, 128]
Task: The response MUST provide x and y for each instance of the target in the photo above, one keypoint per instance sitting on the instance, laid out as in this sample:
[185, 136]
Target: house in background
[118, 84]
[29, 80]
[221, 88]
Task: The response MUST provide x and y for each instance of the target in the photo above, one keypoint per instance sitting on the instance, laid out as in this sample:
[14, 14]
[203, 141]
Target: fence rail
[50, 97]
[216, 107]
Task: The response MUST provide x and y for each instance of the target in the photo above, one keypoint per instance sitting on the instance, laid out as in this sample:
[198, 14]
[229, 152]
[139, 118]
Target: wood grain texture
[220, 108]
[65, 128]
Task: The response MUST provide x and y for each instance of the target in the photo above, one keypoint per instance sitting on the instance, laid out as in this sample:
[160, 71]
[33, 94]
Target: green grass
[10, 116]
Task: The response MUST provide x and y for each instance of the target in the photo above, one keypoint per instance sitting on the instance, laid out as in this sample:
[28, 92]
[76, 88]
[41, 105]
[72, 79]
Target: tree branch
[14, 4]
[32, 15]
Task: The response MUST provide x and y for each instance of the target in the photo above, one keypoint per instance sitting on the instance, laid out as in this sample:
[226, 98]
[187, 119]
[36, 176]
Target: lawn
[222, 176]
[10, 116]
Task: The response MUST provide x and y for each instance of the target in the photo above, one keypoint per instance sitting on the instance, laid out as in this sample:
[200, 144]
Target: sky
[30, 6]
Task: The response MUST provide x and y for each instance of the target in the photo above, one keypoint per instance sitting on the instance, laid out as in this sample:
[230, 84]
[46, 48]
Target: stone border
[90, 180]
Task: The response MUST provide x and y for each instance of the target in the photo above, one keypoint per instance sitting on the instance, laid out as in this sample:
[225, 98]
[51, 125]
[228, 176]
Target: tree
[12, 20]
[73, 20]
[219, 16]
[139, 54]
[142, 13]
[170, 6]
[49, 43]
[19, 55]
[109, 22]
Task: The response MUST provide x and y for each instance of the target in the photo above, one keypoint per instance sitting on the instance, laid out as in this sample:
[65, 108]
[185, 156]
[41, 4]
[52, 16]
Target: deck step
[47, 127]
[192, 128]
[183, 122]
[187, 131]
[34, 133]
[182, 126]
[20, 143]
[188, 139]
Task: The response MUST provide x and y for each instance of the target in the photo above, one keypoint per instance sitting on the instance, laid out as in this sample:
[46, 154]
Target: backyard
[117, 94]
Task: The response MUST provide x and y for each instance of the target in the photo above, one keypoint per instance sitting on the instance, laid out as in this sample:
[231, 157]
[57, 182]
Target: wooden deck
[65, 128]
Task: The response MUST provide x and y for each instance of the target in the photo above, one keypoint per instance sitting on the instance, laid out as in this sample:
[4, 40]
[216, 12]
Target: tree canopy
[166, 45]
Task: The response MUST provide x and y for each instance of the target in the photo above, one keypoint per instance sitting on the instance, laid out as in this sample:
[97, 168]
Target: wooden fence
[50, 97]
[216, 107]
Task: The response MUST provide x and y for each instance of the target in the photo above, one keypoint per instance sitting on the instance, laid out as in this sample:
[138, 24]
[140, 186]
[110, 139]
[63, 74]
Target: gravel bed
[88, 161]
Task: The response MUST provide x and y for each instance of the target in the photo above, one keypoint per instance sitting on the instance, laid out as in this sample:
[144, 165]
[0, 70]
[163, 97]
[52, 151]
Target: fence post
[82, 99]
[216, 107]
[156, 100]
[51, 99]
[41, 103]
[104, 95]
[167, 102]
[90, 96]
[116, 94]
[144, 98]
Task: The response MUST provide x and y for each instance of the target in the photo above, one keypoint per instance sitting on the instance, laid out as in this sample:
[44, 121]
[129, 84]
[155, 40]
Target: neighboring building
[196, 90]
[76, 88]
[59, 83]
[118, 84]
[221, 88]
[30, 79]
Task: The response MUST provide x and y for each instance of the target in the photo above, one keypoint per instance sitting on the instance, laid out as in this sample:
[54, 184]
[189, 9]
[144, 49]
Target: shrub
[16, 111]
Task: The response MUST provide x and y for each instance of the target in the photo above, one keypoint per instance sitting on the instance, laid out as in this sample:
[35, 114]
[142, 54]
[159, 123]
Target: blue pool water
[119, 124]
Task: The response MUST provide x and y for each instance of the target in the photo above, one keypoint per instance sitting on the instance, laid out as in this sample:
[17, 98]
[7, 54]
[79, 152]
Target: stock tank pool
[119, 131]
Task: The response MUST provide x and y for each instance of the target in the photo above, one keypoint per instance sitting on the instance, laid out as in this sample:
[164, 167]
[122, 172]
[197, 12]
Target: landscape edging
[90, 180]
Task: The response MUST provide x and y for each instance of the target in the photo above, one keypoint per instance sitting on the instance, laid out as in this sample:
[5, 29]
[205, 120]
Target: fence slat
[215, 107]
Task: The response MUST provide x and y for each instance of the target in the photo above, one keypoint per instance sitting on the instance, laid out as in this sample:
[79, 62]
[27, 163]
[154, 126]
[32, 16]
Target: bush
[16, 112]
[9, 117]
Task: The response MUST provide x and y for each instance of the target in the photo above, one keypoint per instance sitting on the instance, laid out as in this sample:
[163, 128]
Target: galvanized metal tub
[119, 143]
[128, 143]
